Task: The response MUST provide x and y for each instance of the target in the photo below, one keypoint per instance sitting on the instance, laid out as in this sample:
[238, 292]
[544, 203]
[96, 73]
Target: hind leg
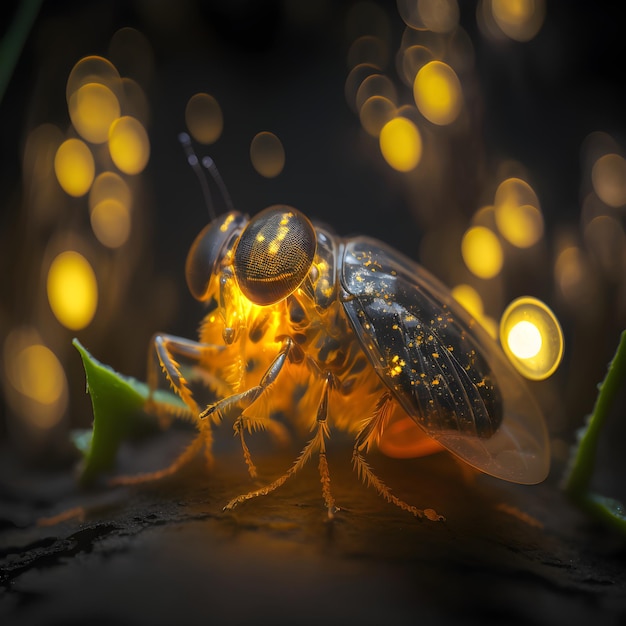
[368, 433]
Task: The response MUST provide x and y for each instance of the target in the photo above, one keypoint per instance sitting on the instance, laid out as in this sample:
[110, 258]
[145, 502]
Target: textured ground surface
[166, 553]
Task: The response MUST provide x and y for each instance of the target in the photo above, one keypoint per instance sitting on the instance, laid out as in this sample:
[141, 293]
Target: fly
[380, 346]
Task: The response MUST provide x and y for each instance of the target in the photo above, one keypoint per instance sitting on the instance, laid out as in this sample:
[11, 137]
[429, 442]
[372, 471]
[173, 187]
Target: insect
[371, 342]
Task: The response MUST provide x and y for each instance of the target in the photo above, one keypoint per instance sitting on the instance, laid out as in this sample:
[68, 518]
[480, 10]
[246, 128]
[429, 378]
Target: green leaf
[582, 461]
[117, 403]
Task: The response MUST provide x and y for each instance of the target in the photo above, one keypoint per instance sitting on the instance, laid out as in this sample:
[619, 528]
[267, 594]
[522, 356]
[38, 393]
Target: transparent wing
[441, 365]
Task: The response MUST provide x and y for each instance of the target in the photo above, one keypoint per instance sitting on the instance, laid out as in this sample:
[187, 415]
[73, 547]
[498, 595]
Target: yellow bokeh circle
[482, 252]
[74, 167]
[531, 337]
[437, 92]
[401, 144]
[129, 145]
[72, 290]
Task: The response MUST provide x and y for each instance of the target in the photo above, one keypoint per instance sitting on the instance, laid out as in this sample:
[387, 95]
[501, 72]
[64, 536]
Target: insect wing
[441, 365]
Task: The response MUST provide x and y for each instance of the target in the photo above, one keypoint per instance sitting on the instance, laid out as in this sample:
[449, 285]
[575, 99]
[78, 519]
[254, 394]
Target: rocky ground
[165, 553]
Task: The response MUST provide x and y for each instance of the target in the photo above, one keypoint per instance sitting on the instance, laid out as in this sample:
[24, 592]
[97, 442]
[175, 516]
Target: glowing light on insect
[532, 338]
[375, 113]
[482, 252]
[111, 223]
[129, 145]
[267, 154]
[520, 20]
[93, 108]
[401, 144]
[517, 213]
[437, 92]
[204, 118]
[36, 374]
[72, 290]
[608, 176]
[74, 167]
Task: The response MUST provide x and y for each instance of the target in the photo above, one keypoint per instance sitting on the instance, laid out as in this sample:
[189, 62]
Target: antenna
[209, 165]
[211, 168]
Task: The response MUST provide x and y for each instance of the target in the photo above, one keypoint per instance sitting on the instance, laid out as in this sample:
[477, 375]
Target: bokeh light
[204, 118]
[74, 167]
[109, 185]
[520, 20]
[368, 49]
[267, 154]
[438, 16]
[437, 92]
[93, 108]
[401, 144]
[469, 298]
[531, 337]
[72, 290]
[111, 222]
[517, 213]
[129, 145]
[605, 239]
[375, 113]
[482, 252]
[412, 60]
[376, 85]
[608, 176]
[36, 377]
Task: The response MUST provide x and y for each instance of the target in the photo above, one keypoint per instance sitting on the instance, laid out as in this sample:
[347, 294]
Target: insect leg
[203, 438]
[244, 399]
[316, 443]
[369, 431]
[167, 348]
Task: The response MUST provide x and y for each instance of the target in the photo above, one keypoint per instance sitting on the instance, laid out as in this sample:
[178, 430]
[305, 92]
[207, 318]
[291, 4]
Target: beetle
[374, 344]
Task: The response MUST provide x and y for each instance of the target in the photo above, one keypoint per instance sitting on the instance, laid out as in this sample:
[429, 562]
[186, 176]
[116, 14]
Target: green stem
[15, 38]
[583, 462]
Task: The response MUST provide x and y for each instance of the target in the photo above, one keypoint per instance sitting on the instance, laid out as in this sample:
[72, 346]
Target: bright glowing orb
[437, 92]
[74, 167]
[532, 338]
[72, 290]
[129, 145]
[482, 252]
[524, 340]
[401, 144]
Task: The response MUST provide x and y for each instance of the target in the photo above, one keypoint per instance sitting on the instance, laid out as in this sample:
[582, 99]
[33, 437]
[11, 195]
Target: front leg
[167, 348]
[317, 443]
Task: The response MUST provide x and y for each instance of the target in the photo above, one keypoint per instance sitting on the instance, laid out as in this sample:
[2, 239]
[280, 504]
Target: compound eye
[208, 250]
[274, 254]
